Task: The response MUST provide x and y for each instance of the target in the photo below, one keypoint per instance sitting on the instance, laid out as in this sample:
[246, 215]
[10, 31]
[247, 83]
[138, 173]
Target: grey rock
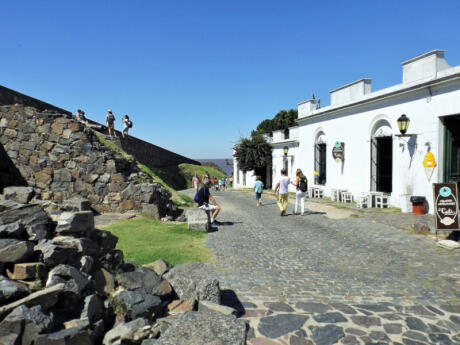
[278, 325]
[105, 239]
[74, 280]
[198, 220]
[194, 280]
[112, 260]
[82, 245]
[86, 264]
[350, 340]
[193, 328]
[442, 339]
[327, 335]
[76, 204]
[313, 307]
[355, 331]
[129, 333]
[75, 223]
[377, 308]
[142, 277]
[19, 194]
[69, 336]
[415, 336]
[138, 303]
[53, 255]
[93, 309]
[346, 309]
[365, 321]
[455, 319]
[26, 324]
[160, 266]
[14, 230]
[12, 250]
[416, 324]
[379, 336]
[46, 298]
[151, 210]
[11, 290]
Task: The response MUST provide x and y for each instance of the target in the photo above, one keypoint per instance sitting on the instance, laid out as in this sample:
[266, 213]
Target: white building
[376, 158]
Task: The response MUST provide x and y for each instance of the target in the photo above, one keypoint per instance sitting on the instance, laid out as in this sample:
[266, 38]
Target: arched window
[320, 158]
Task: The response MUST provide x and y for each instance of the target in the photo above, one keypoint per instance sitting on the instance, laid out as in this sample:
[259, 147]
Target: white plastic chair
[382, 201]
[347, 197]
[362, 201]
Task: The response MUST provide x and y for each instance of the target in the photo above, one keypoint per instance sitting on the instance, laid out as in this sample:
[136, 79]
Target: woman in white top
[301, 191]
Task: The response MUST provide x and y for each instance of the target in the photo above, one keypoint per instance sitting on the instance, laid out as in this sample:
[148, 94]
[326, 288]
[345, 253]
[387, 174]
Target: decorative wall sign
[429, 163]
[338, 151]
[446, 206]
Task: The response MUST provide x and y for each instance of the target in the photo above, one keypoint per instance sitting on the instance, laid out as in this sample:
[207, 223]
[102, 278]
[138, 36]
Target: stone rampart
[60, 158]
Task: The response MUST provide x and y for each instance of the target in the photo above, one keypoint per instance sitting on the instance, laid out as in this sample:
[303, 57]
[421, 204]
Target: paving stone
[276, 306]
[416, 324]
[418, 310]
[312, 307]
[350, 340]
[407, 341]
[376, 308]
[455, 319]
[355, 331]
[391, 317]
[278, 325]
[438, 329]
[441, 339]
[295, 340]
[333, 317]
[393, 328]
[415, 336]
[366, 321]
[451, 308]
[327, 335]
[346, 309]
[435, 310]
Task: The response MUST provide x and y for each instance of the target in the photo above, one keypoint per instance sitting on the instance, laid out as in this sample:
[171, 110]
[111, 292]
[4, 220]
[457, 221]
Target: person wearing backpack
[127, 123]
[110, 122]
[203, 197]
[301, 185]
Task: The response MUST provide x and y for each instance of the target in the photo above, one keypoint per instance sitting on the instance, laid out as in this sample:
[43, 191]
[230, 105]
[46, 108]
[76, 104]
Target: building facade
[362, 126]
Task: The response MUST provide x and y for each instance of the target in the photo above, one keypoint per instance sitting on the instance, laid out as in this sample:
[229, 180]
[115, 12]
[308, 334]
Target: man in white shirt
[282, 186]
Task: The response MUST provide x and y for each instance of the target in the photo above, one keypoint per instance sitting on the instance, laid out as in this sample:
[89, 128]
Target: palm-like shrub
[252, 153]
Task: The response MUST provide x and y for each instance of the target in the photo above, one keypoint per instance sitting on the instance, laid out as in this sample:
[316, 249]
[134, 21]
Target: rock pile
[63, 282]
[61, 158]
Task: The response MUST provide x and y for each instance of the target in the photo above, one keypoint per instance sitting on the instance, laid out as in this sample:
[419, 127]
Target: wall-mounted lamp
[403, 125]
[285, 150]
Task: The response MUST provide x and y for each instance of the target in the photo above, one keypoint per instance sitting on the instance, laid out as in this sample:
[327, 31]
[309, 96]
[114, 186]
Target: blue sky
[195, 75]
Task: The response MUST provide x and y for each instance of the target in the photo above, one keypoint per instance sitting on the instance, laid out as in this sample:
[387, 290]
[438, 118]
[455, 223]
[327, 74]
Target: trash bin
[418, 204]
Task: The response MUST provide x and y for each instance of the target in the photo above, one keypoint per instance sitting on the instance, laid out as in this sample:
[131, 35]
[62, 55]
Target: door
[382, 164]
[320, 163]
[452, 149]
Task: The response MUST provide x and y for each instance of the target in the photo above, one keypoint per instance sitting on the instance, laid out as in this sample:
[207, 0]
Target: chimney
[306, 108]
[350, 92]
[424, 66]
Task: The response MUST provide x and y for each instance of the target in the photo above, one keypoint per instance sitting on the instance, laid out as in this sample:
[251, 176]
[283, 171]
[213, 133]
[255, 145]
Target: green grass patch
[145, 240]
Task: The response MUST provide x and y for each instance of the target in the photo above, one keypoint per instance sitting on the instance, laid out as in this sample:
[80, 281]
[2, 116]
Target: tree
[282, 120]
[252, 153]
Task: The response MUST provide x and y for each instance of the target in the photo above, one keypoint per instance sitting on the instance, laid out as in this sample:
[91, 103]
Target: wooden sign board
[446, 206]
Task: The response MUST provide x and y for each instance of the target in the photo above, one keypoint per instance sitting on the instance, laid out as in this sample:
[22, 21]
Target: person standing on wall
[127, 125]
[258, 189]
[301, 186]
[81, 117]
[282, 188]
[196, 182]
[110, 122]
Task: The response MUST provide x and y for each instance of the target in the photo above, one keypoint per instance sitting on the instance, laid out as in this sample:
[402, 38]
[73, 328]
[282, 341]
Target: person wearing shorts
[110, 122]
[196, 182]
[204, 199]
[258, 189]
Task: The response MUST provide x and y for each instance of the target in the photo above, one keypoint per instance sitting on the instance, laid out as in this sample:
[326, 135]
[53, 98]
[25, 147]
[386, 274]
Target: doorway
[382, 164]
[452, 149]
[320, 163]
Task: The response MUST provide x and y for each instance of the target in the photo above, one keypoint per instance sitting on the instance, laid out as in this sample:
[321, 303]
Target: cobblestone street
[316, 280]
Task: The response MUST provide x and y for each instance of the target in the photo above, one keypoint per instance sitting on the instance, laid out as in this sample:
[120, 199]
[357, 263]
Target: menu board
[446, 206]
[338, 151]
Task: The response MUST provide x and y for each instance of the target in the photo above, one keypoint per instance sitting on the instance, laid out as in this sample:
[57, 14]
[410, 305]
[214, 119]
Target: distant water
[226, 164]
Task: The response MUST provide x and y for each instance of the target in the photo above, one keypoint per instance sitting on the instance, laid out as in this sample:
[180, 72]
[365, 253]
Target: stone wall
[61, 158]
[9, 174]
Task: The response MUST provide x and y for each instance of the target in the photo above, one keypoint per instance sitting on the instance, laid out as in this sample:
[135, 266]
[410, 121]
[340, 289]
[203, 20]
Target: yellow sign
[429, 161]
[316, 173]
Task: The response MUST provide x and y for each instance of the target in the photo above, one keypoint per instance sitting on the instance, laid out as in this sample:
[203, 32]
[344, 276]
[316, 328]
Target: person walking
[205, 177]
[110, 122]
[301, 186]
[204, 197]
[196, 182]
[127, 123]
[258, 189]
[282, 189]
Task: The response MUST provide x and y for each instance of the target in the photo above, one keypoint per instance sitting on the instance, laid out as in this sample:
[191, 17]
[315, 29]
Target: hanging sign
[338, 151]
[446, 206]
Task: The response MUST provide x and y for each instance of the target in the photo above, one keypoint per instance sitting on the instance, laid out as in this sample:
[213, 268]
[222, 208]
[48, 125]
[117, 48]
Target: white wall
[354, 129]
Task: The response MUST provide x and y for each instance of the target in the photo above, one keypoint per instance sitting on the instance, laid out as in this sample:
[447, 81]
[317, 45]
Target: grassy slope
[177, 198]
[145, 240]
[180, 177]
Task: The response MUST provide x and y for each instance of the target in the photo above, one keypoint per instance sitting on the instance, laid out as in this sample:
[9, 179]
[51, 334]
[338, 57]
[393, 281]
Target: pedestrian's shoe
[282, 213]
[301, 214]
[215, 222]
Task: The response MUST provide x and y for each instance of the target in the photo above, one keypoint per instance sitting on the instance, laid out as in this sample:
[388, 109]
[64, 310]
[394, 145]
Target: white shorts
[195, 185]
[208, 207]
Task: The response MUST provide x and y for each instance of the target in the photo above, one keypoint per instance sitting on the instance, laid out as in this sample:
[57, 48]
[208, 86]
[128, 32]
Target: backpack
[110, 118]
[129, 123]
[197, 197]
[303, 185]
